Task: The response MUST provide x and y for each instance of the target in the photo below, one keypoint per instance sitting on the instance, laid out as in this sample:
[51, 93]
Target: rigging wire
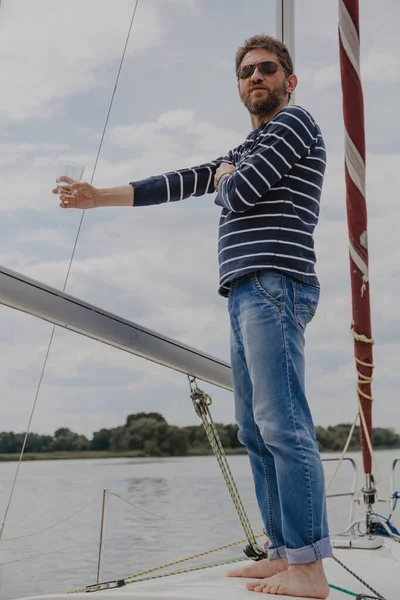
[69, 268]
[64, 520]
[165, 518]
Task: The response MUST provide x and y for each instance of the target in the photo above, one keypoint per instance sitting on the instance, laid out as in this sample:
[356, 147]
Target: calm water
[188, 510]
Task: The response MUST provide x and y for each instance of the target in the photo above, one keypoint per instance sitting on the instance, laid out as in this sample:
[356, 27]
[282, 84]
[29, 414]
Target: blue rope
[378, 529]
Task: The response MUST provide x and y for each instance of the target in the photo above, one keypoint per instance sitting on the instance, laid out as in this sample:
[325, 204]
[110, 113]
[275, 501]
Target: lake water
[181, 507]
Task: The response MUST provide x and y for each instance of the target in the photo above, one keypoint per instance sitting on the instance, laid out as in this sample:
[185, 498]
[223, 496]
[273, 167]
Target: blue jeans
[269, 312]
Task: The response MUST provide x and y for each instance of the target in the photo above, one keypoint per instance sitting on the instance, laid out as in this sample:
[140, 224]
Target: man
[269, 189]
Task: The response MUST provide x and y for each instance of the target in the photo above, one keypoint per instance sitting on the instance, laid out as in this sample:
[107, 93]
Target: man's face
[262, 94]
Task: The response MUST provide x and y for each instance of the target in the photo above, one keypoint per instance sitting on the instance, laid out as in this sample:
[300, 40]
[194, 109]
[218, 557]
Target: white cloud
[381, 65]
[157, 265]
[167, 281]
[321, 77]
[174, 138]
[175, 133]
[48, 55]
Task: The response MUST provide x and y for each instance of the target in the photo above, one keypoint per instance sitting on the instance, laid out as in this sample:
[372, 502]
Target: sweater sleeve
[178, 185]
[285, 139]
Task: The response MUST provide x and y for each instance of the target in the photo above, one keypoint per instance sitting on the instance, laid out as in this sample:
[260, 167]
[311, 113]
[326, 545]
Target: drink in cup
[70, 171]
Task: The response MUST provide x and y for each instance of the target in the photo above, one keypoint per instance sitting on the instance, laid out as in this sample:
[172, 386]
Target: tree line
[149, 434]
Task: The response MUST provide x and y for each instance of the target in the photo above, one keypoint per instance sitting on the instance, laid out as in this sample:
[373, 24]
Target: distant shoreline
[75, 455]
[149, 435]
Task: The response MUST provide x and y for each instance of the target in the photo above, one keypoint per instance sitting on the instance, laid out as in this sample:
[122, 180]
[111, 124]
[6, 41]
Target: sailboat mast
[284, 27]
[353, 112]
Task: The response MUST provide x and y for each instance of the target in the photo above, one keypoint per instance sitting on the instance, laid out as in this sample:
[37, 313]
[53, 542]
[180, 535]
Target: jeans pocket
[306, 298]
[269, 284]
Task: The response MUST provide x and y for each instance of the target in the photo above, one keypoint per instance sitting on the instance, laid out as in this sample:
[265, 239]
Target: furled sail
[353, 111]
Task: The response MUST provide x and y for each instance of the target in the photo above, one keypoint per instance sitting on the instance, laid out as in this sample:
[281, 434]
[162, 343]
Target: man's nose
[257, 75]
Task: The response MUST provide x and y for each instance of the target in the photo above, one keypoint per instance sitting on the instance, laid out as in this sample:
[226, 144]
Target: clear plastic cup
[68, 172]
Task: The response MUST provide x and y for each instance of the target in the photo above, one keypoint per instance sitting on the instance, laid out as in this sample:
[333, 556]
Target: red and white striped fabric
[353, 110]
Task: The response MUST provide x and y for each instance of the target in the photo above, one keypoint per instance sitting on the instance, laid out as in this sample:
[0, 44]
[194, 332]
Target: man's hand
[84, 195]
[76, 195]
[223, 169]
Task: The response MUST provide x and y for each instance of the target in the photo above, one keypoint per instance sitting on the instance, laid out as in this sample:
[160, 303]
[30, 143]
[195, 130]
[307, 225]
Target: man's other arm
[288, 138]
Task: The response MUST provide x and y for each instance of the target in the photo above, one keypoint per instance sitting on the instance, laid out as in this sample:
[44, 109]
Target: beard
[264, 106]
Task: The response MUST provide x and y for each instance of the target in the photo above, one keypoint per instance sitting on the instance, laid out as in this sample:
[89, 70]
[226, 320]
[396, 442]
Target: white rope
[66, 278]
[350, 527]
[346, 447]
[355, 164]
[349, 37]
[354, 161]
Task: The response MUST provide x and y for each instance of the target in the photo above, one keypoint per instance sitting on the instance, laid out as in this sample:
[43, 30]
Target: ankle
[312, 566]
[279, 564]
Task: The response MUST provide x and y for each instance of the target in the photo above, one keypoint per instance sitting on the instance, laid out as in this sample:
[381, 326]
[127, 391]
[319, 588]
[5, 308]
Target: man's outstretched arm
[168, 187]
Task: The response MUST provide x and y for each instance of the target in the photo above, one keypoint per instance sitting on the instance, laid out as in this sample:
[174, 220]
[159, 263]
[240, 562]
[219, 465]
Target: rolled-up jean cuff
[307, 554]
[274, 553]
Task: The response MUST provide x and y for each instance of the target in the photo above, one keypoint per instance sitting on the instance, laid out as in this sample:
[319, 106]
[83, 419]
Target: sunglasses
[267, 67]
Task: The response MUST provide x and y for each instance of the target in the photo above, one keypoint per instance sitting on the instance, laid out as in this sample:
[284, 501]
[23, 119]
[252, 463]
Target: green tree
[38, 443]
[119, 439]
[386, 438]
[143, 415]
[101, 440]
[151, 448]
[197, 436]
[8, 443]
[175, 443]
[146, 429]
[231, 432]
[65, 440]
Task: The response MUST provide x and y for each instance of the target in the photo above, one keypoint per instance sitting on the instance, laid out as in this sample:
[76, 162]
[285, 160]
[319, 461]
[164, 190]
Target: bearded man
[269, 189]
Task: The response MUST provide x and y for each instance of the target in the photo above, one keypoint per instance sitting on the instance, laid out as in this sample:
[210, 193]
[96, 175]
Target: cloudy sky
[176, 106]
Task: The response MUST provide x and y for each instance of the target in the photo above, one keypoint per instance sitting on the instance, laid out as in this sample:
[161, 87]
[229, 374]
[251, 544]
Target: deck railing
[57, 307]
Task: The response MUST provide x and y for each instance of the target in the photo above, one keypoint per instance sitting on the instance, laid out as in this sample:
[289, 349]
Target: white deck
[379, 568]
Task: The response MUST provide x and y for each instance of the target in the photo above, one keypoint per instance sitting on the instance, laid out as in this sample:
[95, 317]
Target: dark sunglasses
[267, 67]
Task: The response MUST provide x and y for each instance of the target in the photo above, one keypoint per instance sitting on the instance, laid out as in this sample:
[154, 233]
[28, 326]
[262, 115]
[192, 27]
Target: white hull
[379, 568]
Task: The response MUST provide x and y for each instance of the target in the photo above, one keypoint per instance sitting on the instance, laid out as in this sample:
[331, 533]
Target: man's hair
[267, 42]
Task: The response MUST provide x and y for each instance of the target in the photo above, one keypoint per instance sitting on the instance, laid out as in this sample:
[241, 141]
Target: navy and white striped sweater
[270, 204]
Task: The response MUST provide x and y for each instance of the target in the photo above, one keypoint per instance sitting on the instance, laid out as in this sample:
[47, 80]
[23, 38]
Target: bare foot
[260, 569]
[306, 581]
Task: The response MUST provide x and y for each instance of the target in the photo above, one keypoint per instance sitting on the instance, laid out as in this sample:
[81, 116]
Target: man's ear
[291, 83]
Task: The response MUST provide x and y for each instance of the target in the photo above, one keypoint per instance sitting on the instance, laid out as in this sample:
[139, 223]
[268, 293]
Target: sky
[176, 106]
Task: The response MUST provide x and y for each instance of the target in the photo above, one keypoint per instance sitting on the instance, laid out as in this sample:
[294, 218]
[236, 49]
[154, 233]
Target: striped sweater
[270, 204]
